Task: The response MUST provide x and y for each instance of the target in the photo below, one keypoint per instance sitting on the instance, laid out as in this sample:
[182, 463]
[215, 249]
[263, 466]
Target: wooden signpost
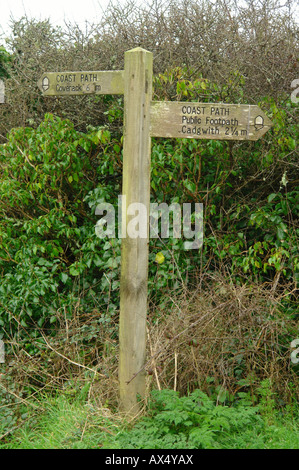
[144, 119]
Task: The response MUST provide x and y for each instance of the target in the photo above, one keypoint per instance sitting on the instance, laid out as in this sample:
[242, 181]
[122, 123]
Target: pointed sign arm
[217, 121]
[82, 83]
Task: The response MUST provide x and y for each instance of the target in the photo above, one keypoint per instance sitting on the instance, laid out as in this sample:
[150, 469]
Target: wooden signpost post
[144, 119]
[134, 255]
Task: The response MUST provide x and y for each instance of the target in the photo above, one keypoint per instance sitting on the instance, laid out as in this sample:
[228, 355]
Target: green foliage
[53, 177]
[267, 401]
[70, 420]
[196, 422]
[248, 189]
[52, 264]
[186, 422]
[5, 60]
[47, 235]
[277, 245]
[187, 84]
[63, 423]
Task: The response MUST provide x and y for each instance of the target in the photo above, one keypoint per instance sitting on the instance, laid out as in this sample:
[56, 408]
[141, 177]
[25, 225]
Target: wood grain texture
[134, 254]
[82, 83]
[208, 120]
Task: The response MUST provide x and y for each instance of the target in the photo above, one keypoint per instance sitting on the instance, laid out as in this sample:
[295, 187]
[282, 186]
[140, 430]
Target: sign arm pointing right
[208, 120]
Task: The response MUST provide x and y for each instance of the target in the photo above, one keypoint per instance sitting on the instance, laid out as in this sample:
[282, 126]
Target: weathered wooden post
[134, 256]
[136, 83]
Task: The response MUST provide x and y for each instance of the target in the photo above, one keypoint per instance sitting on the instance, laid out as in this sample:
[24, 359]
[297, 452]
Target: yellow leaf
[160, 258]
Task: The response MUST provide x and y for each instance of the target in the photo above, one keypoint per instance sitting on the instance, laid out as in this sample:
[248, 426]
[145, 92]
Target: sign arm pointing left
[82, 83]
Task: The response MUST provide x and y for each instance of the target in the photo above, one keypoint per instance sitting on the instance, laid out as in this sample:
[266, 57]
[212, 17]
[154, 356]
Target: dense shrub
[47, 228]
[4, 63]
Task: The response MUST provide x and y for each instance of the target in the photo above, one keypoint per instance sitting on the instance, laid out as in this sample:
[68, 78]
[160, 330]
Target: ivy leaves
[46, 229]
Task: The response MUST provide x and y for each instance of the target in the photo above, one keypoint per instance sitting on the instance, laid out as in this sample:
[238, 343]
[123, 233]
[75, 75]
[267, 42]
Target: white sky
[57, 11]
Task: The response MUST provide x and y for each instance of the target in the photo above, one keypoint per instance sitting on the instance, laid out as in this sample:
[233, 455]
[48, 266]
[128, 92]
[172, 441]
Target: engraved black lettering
[216, 111]
[193, 109]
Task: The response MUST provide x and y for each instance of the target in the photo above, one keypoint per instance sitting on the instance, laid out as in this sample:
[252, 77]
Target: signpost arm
[134, 254]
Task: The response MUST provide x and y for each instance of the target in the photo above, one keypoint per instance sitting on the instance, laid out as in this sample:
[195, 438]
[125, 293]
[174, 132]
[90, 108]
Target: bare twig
[175, 370]
[154, 362]
[170, 341]
[69, 360]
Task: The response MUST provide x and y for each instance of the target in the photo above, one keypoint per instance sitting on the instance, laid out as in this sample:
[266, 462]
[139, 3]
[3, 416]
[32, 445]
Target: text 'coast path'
[208, 120]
